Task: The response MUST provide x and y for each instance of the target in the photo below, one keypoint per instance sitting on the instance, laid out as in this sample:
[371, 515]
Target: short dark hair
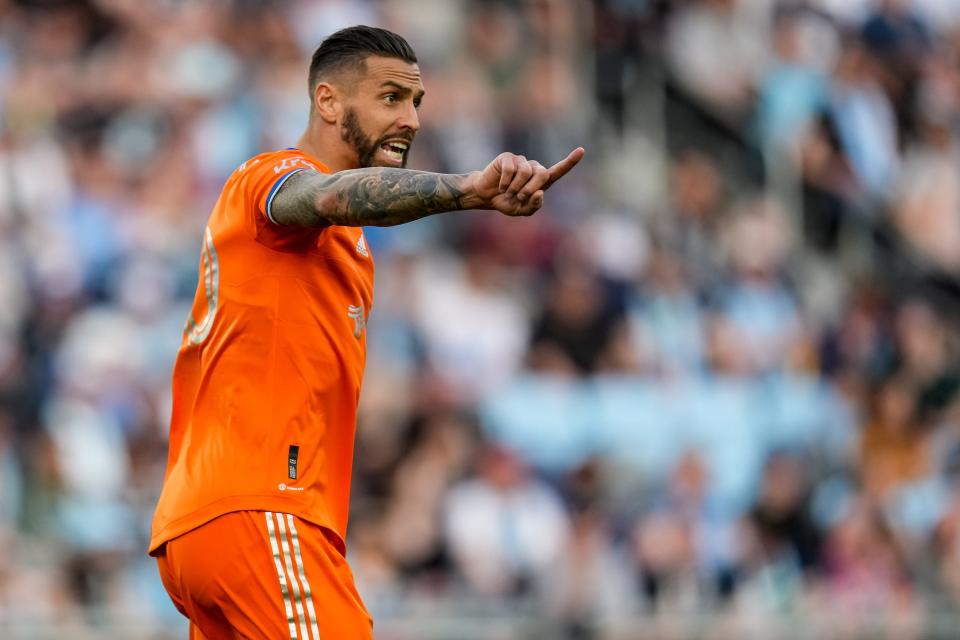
[351, 46]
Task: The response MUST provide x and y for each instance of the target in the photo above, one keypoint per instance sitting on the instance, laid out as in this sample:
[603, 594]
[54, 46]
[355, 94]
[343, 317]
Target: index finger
[561, 169]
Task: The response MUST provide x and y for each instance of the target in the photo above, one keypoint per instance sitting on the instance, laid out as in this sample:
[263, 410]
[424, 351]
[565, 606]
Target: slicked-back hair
[351, 46]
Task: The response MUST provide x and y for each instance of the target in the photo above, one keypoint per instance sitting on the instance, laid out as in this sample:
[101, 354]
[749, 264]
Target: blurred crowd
[711, 387]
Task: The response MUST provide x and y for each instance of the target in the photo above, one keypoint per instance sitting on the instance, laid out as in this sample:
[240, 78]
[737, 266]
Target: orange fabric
[272, 358]
[246, 575]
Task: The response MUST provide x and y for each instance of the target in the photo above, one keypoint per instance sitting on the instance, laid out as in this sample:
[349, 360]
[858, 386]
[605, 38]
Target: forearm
[377, 196]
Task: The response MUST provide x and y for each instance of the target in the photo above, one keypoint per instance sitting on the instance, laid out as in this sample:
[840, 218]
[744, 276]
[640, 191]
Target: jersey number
[197, 331]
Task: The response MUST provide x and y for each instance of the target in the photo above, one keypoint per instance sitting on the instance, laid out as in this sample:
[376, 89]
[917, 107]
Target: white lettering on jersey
[359, 320]
[244, 165]
[290, 163]
[197, 332]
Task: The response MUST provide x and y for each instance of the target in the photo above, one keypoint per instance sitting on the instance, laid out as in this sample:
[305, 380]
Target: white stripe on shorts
[307, 594]
[278, 561]
[297, 603]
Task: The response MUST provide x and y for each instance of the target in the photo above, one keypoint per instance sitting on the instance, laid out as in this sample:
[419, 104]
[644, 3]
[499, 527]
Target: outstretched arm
[382, 196]
[369, 197]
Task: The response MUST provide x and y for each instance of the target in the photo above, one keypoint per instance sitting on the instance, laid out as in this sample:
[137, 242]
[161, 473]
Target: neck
[323, 142]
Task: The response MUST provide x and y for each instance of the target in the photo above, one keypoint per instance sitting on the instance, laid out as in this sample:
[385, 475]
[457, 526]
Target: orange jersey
[267, 379]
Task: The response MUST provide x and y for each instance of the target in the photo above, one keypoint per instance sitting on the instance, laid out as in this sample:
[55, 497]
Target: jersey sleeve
[259, 179]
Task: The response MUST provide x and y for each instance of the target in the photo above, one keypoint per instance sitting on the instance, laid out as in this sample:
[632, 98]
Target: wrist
[471, 198]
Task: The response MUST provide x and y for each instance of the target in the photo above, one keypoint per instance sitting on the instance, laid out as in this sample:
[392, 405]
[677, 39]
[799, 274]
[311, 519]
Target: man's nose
[410, 119]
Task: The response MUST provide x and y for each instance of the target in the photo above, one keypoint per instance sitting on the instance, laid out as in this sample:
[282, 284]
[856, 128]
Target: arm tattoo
[376, 196]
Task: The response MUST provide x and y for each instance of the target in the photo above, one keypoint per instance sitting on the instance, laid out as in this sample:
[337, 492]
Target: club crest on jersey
[362, 247]
[359, 320]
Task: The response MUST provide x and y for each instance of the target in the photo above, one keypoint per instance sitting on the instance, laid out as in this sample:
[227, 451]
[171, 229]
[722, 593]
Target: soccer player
[250, 527]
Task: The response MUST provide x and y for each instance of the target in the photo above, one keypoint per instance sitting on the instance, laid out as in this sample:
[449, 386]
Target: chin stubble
[352, 133]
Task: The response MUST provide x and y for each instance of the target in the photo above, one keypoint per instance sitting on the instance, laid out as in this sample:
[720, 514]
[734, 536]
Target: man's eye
[390, 98]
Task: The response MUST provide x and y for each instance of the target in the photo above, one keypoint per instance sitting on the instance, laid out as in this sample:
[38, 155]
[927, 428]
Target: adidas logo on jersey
[362, 247]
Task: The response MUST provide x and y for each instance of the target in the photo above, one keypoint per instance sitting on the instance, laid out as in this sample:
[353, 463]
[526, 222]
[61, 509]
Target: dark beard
[353, 135]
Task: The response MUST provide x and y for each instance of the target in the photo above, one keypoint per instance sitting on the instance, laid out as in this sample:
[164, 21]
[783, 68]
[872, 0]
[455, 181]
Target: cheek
[376, 115]
[375, 120]
[381, 121]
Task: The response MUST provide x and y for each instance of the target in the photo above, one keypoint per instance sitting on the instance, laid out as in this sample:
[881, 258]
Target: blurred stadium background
[709, 392]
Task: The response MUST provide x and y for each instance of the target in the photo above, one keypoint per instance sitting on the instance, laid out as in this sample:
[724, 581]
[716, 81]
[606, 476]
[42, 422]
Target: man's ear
[326, 102]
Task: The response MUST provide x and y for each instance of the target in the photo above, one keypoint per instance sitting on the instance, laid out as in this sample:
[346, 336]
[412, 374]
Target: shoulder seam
[275, 189]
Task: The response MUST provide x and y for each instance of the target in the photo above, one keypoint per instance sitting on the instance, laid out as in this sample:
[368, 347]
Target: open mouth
[395, 150]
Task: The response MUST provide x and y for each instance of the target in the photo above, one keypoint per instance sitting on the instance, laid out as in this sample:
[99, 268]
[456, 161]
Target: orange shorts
[258, 574]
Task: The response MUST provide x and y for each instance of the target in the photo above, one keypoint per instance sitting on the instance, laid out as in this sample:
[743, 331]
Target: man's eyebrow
[395, 85]
[400, 88]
